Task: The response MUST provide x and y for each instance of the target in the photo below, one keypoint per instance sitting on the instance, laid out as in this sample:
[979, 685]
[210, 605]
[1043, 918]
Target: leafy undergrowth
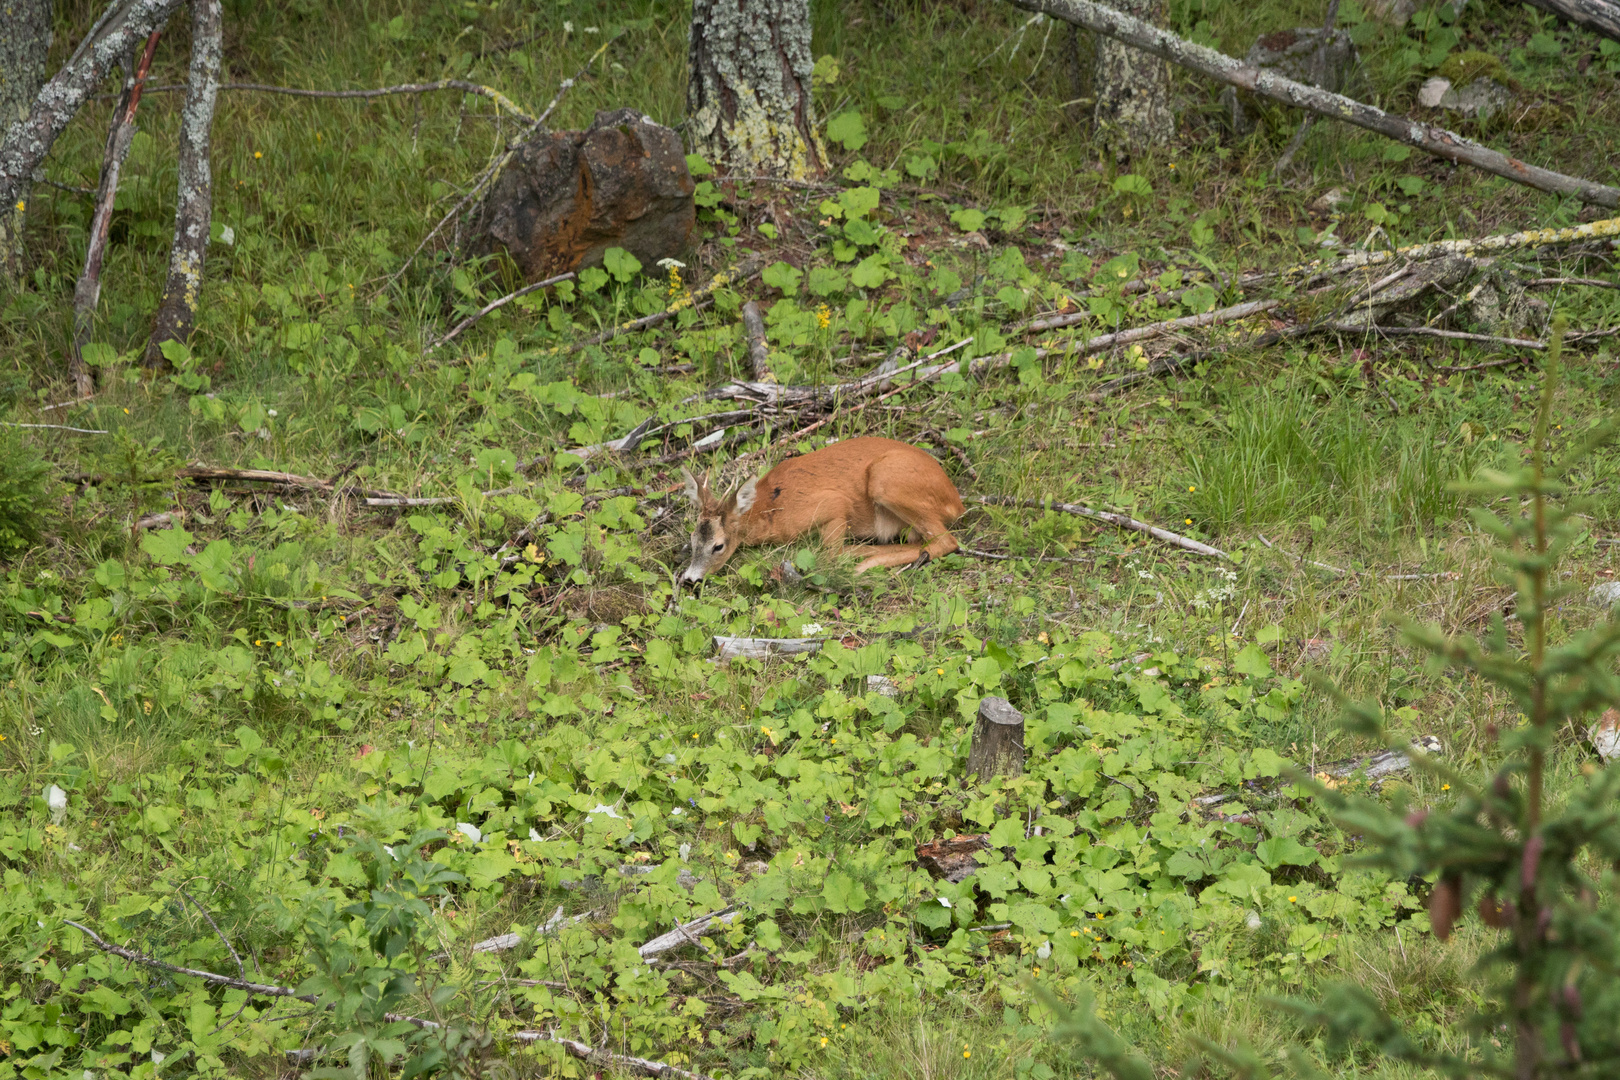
[295, 739]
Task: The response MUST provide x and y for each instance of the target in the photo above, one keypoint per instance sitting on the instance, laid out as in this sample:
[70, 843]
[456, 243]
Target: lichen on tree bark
[25, 42]
[1132, 112]
[177, 314]
[748, 101]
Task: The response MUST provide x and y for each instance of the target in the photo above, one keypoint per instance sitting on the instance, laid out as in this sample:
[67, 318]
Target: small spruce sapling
[1543, 871]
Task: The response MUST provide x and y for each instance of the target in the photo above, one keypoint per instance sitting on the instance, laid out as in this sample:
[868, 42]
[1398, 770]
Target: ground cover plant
[276, 734]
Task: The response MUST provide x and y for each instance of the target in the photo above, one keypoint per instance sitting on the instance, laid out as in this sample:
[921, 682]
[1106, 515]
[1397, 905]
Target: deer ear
[744, 498]
[694, 490]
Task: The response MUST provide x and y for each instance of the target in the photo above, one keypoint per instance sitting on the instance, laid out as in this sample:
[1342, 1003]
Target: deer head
[719, 525]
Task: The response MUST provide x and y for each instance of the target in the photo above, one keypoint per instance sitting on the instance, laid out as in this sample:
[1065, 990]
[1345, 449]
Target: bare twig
[977, 554]
[59, 427]
[87, 292]
[501, 101]
[1139, 333]
[1122, 521]
[240, 969]
[456, 330]
[193, 211]
[1429, 331]
[495, 166]
[1547, 282]
[1266, 83]
[695, 300]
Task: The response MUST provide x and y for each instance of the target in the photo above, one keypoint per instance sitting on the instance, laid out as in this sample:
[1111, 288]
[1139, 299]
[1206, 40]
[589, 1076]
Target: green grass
[1340, 457]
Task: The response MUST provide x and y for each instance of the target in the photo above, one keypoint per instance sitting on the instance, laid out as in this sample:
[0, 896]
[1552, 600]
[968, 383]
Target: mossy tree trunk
[1132, 88]
[25, 41]
[748, 102]
[177, 315]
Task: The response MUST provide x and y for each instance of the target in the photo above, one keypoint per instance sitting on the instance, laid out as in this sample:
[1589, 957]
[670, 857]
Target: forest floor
[243, 702]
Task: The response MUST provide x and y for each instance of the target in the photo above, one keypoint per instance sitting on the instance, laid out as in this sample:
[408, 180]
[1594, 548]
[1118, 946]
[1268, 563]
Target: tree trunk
[998, 740]
[177, 314]
[748, 102]
[122, 27]
[25, 39]
[1132, 111]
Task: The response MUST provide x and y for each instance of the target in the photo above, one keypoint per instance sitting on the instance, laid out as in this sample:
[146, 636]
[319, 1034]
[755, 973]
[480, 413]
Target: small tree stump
[998, 740]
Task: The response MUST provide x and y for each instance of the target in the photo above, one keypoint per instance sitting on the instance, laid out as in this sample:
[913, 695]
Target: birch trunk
[177, 314]
[25, 39]
[748, 101]
[1132, 88]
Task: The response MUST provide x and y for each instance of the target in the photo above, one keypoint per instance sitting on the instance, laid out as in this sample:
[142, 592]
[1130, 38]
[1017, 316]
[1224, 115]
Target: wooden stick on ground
[1122, 521]
[1434, 140]
[456, 330]
[87, 292]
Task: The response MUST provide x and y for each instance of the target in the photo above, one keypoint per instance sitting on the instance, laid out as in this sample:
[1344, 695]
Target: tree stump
[998, 740]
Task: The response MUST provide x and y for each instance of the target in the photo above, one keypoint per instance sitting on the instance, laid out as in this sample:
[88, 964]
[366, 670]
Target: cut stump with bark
[998, 740]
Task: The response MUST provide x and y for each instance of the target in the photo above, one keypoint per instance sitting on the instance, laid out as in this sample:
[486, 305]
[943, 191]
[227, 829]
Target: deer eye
[718, 548]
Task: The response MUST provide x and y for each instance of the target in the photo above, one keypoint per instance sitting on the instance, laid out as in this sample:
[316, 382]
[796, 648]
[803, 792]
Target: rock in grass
[1605, 593]
[1605, 735]
[569, 196]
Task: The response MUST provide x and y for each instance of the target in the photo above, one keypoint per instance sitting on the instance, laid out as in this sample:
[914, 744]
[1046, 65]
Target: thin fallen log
[87, 291]
[638, 1065]
[688, 933]
[743, 648]
[494, 305]
[1122, 521]
[1266, 83]
[194, 200]
[1376, 767]
[115, 34]
[1472, 247]
[1138, 333]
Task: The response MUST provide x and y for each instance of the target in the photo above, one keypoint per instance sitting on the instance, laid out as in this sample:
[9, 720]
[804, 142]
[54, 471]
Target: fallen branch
[641, 1066]
[494, 305]
[744, 648]
[59, 427]
[501, 100]
[977, 554]
[1606, 229]
[1266, 83]
[1375, 766]
[687, 933]
[87, 291]
[696, 299]
[1139, 333]
[194, 200]
[1599, 16]
[1120, 520]
[1429, 331]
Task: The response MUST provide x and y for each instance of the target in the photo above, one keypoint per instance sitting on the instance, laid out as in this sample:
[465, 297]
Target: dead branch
[193, 211]
[501, 101]
[495, 166]
[1119, 520]
[687, 933]
[87, 292]
[58, 427]
[494, 305]
[759, 357]
[121, 27]
[741, 648]
[695, 300]
[1139, 333]
[1429, 331]
[1434, 140]
[1472, 247]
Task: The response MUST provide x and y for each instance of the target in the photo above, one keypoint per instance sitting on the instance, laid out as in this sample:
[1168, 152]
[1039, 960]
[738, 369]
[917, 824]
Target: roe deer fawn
[868, 488]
